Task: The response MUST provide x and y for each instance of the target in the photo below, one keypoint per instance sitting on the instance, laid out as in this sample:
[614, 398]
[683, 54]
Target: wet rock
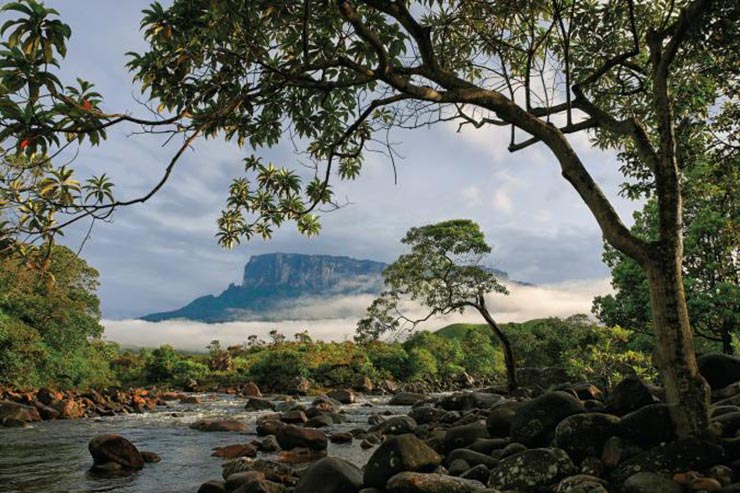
[212, 486]
[237, 480]
[296, 416]
[471, 457]
[300, 455]
[406, 399]
[584, 435]
[251, 390]
[114, 452]
[649, 482]
[235, 451]
[648, 426]
[343, 396]
[678, 456]
[256, 404]
[291, 437]
[319, 421]
[397, 425]
[46, 412]
[190, 399]
[465, 401]
[14, 412]
[326, 403]
[398, 454]
[729, 424]
[719, 370]
[612, 452]
[629, 395]
[488, 445]
[269, 444]
[341, 438]
[535, 421]
[500, 418]
[582, 483]
[150, 457]
[363, 384]
[331, 475]
[478, 473]
[457, 467]
[414, 482]
[221, 425]
[462, 436]
[531, 469]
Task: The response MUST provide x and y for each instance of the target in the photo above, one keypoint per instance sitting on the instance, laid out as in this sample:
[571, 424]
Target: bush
[186, 369]
[275, 368]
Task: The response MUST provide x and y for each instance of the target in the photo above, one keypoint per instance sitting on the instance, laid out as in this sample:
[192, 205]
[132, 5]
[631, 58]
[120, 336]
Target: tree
[711, 268]
[444, 273]
[336, 75]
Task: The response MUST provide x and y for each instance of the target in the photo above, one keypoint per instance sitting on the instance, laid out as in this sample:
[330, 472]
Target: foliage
[608, 360]
[50, 322]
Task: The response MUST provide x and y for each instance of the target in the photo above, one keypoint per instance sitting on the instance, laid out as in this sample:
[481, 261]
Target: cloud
[335, 319]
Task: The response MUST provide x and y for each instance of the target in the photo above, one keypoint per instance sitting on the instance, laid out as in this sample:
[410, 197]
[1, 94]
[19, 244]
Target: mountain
[274, 283]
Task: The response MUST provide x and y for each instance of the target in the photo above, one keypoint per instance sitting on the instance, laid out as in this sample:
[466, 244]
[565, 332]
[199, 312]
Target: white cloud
[335, 319]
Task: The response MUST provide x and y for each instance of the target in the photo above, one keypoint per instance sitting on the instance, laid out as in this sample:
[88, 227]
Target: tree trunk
[727, 339]
[511, 383]
[687, 392]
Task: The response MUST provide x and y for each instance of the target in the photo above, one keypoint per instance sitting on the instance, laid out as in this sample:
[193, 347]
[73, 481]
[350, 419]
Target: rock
[465, 401]
[299, 386]
[331, 475]
[427, 414]
[150, 457]
[582, 483]
[251, 390]
[648, 426]
[500, 418]
[414, 482]
[363, 384]
[629, 395]
[212, 486]
[723, 474]
[291, 437]
[397, 425]
[584, 435]
[255, 404]
[457, 467]
[402, 453]
[190, 399]
[220, 425]
[705, 484]
[341, 438]
[320, 421]
[649, 482]
[406, 399]
[343, 396]
[462, 436]
[488, 445]
[114, 452]
[719, 370]
[269, 425]
[235, 451]
[587, 391]
[531, 469]
[678, 456]
[479, 473]
[729, 423]
[12, 411]
[239, 479]
[612, 452]
[269, 444]
[296, 416]
[325, 403]
[535, 421]
[300, 455]
[190, 386]
[471, 457]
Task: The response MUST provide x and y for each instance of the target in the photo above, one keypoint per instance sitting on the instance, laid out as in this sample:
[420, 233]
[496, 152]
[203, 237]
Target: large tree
[642, 77]
[444, 272]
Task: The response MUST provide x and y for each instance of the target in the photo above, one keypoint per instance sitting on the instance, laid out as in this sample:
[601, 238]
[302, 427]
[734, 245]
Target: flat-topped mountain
[273, 281]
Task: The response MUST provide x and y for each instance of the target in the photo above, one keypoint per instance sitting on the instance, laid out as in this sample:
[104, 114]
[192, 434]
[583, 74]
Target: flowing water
[52, 456]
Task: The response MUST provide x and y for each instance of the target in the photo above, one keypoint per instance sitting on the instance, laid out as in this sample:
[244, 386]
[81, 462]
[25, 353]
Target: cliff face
[273, 282]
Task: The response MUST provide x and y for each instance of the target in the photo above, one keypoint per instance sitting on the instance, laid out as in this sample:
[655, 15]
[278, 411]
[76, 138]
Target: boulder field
[570, 438]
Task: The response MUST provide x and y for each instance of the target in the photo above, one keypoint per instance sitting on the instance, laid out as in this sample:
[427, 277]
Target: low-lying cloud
[335, 318]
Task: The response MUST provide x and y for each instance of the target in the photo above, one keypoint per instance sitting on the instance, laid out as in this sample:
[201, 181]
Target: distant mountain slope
[279, 286]
[272, 281]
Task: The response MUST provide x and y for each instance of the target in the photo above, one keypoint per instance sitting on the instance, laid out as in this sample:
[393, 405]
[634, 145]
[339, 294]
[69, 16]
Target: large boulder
[331, 475]
[257, 404]
[535, 421]
[462, 436]
[584, 435]
[465, 401]
[500, 418]
[251, 389]
[114, 452]
[629, 395]
[719, 370]
[402, 453]
[414, 482]
[679, 456]
[650, 482]
[12, 412]
[397, 425]
[344, 396]
[291, 437]
[648, 426]
[531, 469]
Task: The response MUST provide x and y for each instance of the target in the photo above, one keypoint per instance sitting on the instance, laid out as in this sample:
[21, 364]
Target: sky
[160, 255]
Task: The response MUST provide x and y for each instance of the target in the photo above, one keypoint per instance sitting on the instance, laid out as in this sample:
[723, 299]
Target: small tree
[444, 273]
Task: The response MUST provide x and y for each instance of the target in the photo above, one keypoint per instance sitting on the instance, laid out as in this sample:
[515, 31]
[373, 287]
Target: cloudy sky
[162, 254]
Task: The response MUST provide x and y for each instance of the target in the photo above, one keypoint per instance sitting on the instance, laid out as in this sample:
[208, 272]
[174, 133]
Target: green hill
[458, 331]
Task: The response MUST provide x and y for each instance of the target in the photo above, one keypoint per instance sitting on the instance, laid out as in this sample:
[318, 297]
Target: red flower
[24, 143]
[87, 105]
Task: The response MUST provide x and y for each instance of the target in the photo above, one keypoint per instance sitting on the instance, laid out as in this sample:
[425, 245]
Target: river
[52, 456]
